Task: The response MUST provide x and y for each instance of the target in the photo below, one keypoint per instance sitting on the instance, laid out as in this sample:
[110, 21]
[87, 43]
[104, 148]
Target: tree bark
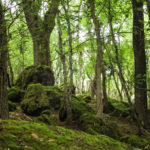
[98, 60]
[3, 66]
[63, 60]
[67, 18]
[120, 73]
[40, 29]
[139, 62]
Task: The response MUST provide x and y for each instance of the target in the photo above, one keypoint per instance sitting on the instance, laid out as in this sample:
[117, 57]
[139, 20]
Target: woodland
[74, 74]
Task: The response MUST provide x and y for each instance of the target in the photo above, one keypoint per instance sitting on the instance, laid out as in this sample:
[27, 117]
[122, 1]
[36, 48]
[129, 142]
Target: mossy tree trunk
[3, 65]
[139, 61]
[67, 18]
[98, 59]
[40, 29]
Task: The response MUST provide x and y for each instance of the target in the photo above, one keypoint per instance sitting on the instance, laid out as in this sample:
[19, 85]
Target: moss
[111, 129]
[12, 106]
[79, 107]
[15, 94]
[85, 97]
[90, 123]
[29, 136]
[35, 74]
[38, 98]
[45, 118]
[94, 125]
[35, 100]
[136, 141]
[117, 108]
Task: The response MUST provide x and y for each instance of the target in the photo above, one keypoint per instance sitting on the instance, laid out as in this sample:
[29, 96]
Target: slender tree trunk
[122, 79]
[104, 86]
[98, 60]
[4, 114]
[10, 71]
[66, 9]
[63, 60]
[113, 72]
[139, 62]
[148, 10]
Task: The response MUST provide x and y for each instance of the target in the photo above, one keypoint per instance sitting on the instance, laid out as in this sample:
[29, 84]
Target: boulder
[35, 74]
[15, 94]
[38, 98]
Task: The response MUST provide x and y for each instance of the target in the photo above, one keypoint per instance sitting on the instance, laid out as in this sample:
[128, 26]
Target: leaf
[51, 140]
[34, 135]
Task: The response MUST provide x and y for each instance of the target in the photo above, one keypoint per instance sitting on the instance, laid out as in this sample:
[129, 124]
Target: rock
[15, 94]
[117, 108]
[79, 107]
[85, 97]
[90, 123]
[12, 106]
[38, 98]
[136, 141]
[35, 74]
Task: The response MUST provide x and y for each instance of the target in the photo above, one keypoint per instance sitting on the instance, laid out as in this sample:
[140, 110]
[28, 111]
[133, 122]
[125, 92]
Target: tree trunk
[40, 29]
[98, 60]
[3, 66]
[11, 74]
[42, 50]
[63, 60]
[120, 73]
[139, 62]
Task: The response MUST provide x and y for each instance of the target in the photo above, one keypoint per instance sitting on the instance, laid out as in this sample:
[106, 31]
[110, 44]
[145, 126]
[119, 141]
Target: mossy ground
[20, 135]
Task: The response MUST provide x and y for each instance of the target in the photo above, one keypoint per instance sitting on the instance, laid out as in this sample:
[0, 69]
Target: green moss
[136, 141]
[29, 135]
[85, 97]
[45, 118]
[12, 106]
[90, 123]
[80, 107]
[94, 125]
[35, 74]
[38, 98]
[117, 108]
[35, 100]
[15, 94]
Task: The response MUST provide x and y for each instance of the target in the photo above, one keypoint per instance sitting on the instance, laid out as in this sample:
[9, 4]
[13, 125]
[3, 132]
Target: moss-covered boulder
[15, 94]
[85, 97]
[35, 74]
[79, 107]
[12, 106]
[38, 98]
[35, 100]
[117, 108]
[90, 123]
[136, 141]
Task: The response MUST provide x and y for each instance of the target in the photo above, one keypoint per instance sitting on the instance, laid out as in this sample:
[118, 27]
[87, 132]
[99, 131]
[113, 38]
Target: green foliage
[136, 141]
[29, 135]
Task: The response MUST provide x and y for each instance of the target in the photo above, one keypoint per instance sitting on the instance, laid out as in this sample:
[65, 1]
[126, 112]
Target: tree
[3, 65]
[139, 61]
[98, 69]
[40, 28]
